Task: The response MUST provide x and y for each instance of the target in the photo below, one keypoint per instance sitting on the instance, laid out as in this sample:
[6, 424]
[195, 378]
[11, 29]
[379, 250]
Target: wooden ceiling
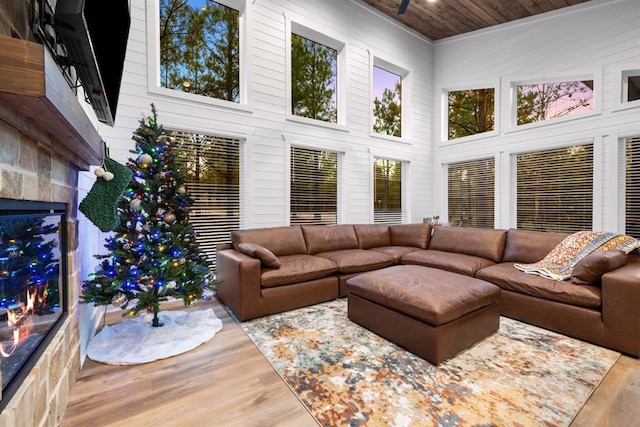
[444, 18]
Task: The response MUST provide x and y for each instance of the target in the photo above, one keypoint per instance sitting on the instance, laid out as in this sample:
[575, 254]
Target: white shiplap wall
[263, 122]
[598, 37]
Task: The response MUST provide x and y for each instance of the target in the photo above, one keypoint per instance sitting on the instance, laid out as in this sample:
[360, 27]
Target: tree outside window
[314, 186]
[470, 112]
[199, 48]
[313, 80]
[387, 203]
[546, 101]
[387, 104]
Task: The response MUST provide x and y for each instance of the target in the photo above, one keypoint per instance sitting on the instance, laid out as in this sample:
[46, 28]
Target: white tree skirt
[134, 341]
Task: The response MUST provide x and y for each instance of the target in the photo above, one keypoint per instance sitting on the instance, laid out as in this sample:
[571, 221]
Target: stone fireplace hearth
[46, 139]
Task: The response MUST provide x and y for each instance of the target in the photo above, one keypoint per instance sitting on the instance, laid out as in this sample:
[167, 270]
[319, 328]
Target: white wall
[263, 122]
[599, 37]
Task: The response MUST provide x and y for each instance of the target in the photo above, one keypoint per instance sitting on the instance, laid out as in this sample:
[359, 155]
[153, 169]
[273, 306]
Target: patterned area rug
[348, 376]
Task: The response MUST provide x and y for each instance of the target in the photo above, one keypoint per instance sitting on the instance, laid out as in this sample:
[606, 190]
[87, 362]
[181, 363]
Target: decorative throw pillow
[593, 266]
[266, 257]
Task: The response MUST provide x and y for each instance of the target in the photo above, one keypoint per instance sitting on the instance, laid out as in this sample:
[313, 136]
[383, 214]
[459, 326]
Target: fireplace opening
[33, 285]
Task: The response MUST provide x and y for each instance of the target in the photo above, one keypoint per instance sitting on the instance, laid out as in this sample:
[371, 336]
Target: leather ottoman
[432, 313]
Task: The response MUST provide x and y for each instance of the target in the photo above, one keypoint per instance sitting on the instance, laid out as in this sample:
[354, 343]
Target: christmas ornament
[100, 204]
[135, 204]
[169, 218]
[145, 159]
[182, 190]
[120, 300]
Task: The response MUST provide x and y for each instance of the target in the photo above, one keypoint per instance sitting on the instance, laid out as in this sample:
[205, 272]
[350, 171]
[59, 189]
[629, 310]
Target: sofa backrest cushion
[287, 240]
[372, 235]
[326, 238]
[527, 246]
[481, 242]
[415, 235]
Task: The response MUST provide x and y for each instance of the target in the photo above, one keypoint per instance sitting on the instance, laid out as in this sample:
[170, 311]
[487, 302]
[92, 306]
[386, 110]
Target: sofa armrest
[238, 277]
[621, 308]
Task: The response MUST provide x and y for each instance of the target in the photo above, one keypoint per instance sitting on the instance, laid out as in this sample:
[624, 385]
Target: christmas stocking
[101, 202]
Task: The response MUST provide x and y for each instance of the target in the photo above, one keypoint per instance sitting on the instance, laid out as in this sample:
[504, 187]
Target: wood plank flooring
[227, 382]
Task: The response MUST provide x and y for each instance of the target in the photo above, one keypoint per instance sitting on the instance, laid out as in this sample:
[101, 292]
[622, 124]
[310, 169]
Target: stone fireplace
[46, 139]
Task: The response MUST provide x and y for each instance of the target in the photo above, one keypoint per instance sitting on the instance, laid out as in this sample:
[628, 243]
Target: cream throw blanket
[559, 263]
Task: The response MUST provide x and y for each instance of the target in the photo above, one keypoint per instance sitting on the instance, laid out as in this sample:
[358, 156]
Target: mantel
[36, 99]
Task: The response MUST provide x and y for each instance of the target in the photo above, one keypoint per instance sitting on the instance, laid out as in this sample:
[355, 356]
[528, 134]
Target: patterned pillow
[589, 270]
[266, 257]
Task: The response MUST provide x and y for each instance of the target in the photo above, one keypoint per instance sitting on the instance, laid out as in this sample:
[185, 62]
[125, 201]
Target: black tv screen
[94, 34]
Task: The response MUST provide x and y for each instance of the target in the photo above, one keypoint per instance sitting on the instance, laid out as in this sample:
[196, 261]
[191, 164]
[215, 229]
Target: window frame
[406, 190]
[444, 111]
[311, 144]
[621, 78]
[153, 60]
[306, 31]
[391, 66]
[513, 99]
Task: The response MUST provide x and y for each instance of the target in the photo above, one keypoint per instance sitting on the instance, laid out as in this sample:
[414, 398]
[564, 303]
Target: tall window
[387, 203]
[211, 166]
[632, 185]
[630, 85]
[199, 48]
[470, 112]
[314, 79]
[471, 193]
[314, 186]
[387, 102]
[555, 189]
[545, 101]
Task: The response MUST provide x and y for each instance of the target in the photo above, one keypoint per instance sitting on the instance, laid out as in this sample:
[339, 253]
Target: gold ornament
[169, 218]
[145, 159]
[182, 189]
[120, 300]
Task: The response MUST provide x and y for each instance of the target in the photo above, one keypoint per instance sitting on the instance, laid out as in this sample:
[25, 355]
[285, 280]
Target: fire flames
[20, 321]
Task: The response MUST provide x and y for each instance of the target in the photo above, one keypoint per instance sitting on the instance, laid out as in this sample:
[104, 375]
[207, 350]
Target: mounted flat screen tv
[95, 34]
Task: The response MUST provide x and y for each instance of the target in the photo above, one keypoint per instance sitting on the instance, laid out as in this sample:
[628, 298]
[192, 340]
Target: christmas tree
[153, 253]
[29, 269]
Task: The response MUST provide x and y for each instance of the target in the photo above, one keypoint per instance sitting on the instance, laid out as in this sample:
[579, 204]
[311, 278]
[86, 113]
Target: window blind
[211, 167]
[632, 186]
[387, 203]
[471, 193]
[555, 189]
[314, 186]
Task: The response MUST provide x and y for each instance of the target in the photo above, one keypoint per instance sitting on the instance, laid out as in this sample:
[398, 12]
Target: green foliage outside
[387, 112]
[199, 49]
[470, 112]
[546, 101]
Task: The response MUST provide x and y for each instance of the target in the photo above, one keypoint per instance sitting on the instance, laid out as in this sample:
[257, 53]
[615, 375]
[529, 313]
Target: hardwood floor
[227, 382]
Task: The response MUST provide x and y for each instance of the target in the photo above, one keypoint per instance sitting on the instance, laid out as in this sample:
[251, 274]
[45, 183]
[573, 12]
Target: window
[314, 186]
[387, 203]
[211, 166]
[555, 189]
[387, 102]
[632, 185]
[471, 193]
[200, 48]
[313, 79]
[630, 85]
[470, 112]
[537, 102]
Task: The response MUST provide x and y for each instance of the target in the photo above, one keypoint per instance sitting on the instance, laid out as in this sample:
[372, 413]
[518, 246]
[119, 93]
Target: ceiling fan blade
[403, 7]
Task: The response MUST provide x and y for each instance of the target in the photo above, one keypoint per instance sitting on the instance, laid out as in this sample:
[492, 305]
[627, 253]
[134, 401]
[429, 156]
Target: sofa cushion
[286, 240]
[480, 242]
[395, 252]
[325, 238]
[372, 235]
[357, 260]
[266, 257]
[416, 235]
[527, 246]
[591, 268]
[510, 278]
[457, 263]
[296, 269]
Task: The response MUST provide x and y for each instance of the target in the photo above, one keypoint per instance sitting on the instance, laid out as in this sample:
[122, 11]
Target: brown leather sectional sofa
[270, 270]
